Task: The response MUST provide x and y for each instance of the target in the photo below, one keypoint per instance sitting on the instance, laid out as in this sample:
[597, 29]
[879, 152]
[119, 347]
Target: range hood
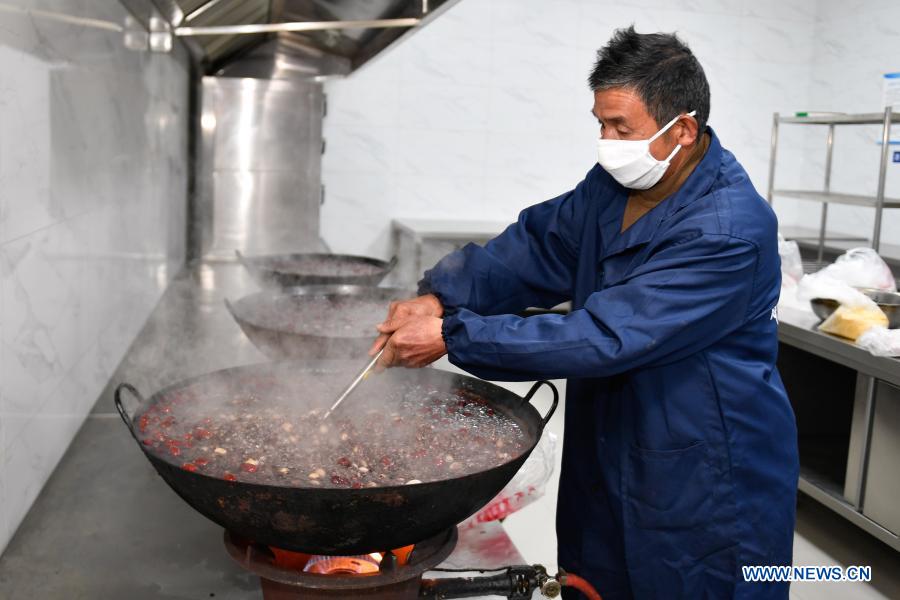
[284, 39]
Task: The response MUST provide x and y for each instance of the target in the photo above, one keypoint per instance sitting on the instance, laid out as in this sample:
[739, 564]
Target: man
[680, 455]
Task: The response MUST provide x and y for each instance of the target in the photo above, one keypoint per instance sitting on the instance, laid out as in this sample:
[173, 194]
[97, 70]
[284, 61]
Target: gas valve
[551, 588]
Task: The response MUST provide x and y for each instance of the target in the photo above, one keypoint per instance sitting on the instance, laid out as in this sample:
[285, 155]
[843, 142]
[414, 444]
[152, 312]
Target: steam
[263, 424]
[268, 416]
[321, 266]
[333, 316]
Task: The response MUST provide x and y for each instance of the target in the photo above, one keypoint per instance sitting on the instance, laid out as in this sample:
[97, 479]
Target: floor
[81, 514]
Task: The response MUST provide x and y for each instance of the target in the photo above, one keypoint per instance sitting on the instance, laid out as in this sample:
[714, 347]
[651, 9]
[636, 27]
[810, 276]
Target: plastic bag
[822, 285]
[791, 273]
[526, 486]
[881, 341]
[791, 264]
[862, 268]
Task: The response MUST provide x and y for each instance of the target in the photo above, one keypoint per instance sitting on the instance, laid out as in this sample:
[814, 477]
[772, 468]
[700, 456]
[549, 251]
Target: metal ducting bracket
[161, 37]
[135, 36]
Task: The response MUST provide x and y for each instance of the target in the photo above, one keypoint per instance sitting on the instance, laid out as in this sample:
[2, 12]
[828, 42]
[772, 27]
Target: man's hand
[401, 310]
[413, 342]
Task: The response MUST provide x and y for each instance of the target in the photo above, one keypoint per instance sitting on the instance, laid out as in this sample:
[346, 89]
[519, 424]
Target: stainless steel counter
[107, 527]
[798, 329]
[847, 403]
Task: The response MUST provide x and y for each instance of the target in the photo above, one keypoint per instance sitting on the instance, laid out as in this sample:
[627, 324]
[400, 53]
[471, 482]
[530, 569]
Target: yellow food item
[852, 322]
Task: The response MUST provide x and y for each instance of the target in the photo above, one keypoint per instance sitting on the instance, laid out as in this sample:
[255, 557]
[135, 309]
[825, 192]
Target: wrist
[436, 309]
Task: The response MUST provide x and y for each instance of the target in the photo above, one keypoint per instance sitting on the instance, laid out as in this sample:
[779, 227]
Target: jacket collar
[697, 185]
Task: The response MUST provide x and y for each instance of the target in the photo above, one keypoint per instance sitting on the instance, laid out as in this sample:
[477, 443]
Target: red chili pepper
[338, 480]
[189, 467]
[229, 477]
[344, 461]
[202, 434]
[147, 442]
[174, 450]
[386, 461]
[490, 412]
[247, 467]
[201, 462]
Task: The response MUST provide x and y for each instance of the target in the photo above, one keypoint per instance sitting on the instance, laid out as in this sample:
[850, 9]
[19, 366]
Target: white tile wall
[486, 110]
[92, 209]
[855, 44]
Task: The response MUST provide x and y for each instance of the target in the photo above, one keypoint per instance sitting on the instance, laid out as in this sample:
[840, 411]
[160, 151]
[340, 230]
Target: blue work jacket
[680, 459]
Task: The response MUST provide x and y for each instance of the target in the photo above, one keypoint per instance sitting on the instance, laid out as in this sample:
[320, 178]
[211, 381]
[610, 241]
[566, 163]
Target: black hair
[660, 68]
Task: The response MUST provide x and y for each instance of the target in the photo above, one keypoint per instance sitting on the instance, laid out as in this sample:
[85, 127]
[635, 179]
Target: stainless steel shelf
[879, 202]
[842, 119]
[833, 500]
[836, 198]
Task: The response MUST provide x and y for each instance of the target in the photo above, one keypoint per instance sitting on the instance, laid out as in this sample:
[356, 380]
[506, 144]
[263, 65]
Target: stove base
[405, 590]
[392, 581]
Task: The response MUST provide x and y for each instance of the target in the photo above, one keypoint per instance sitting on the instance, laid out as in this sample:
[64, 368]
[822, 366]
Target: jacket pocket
[669, 489]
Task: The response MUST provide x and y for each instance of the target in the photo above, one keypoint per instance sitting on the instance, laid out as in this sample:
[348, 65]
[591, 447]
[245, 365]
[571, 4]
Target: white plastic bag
[881, 341]
[791, 273]
[791, 264]
[822, 285]
[526, 486]
[862, 268]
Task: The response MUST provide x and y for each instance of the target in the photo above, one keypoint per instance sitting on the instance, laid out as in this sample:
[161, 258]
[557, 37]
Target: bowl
[823, 307]
[888, 302]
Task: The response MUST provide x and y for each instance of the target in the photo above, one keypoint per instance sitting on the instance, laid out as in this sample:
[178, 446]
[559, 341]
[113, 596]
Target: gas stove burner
[292, 575]
[395, 574]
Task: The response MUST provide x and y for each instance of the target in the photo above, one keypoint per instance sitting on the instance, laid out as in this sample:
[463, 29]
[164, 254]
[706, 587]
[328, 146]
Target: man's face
[623, 116]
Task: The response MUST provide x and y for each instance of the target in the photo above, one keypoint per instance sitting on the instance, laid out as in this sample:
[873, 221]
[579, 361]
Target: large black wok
[291, 270]
[344, 520]
[273, 320]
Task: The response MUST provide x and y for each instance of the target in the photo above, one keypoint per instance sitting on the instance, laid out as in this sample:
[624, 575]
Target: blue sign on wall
[897, 157]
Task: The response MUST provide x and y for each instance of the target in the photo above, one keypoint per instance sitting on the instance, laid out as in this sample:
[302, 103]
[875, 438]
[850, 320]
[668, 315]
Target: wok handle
[552, 410]
[120, 405]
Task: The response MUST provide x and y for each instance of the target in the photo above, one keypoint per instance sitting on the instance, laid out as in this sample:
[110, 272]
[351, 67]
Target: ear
[686, 130]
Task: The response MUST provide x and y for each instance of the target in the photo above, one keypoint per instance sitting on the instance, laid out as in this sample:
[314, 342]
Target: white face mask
[630, 161]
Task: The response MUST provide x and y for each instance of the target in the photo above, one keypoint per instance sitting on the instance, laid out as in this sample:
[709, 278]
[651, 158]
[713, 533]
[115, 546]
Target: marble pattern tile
[855, 44]
[358, 149]
[366, 197]
[92, 220]
[545, 25]
[439, 152]
[493, 94]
